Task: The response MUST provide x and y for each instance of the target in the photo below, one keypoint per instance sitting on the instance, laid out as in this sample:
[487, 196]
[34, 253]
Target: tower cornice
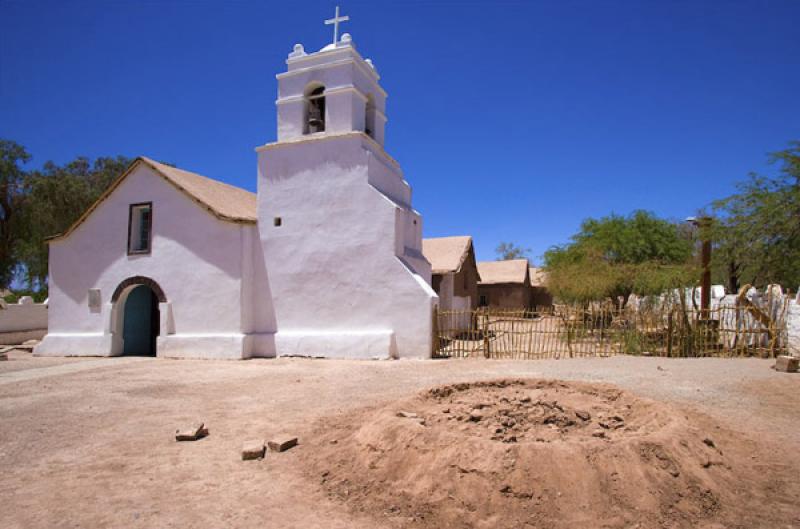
[360, 64]
[373, 145]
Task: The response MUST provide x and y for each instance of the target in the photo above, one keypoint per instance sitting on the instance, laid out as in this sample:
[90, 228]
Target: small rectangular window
[436, 282]
[277, 221]
[140, 228]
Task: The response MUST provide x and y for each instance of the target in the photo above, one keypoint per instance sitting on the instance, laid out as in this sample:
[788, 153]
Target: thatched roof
[224, 201]
[537, 276]
[510, 271]
[446, 254]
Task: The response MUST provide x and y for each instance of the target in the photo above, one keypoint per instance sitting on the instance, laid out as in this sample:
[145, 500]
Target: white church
[325, 260]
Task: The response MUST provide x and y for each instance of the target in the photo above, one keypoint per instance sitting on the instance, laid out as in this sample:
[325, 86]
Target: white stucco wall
[197, 260]
[258, 315]
[793, 326]
[345, 275]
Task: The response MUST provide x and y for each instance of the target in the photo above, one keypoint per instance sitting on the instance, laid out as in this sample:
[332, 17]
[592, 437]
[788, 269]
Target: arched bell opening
[314, 109]
[369, 117]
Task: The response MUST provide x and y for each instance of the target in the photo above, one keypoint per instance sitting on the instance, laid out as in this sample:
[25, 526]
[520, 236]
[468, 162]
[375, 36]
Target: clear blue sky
[512, 120]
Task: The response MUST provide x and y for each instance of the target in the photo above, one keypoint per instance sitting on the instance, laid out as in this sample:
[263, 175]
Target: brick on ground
[192, 433]
[787, 364]
[253, 450]
[282, 443]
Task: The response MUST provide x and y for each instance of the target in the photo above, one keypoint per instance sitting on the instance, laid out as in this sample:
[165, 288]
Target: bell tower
[334, 90]
[341, 244]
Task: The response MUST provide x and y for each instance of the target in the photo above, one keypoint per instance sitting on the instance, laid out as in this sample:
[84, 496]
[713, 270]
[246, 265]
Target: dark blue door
[140, 326]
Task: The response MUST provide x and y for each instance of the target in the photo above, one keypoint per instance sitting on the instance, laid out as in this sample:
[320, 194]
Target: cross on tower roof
[335, 21]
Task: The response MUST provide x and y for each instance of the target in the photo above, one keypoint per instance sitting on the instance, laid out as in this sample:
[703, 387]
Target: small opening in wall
[277, 221]
[315, 110]
[415, 222]
[369, 117]
[140, 228]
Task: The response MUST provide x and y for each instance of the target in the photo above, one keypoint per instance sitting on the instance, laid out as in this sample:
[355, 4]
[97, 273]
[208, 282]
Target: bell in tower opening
[315, 105]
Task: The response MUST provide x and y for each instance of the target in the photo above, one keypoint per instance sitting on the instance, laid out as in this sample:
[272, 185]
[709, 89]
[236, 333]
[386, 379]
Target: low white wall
[793, 326]
[22, 322]
[16, 318]
[771, 300]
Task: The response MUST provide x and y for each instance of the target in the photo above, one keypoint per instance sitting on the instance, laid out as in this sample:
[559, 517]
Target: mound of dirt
[533, 453]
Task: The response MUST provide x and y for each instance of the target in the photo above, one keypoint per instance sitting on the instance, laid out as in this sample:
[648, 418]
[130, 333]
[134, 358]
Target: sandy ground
[20, 360]
[89, 443]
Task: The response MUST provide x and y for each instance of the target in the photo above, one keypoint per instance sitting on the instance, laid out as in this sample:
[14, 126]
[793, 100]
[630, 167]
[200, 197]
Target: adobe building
[504, 284]
[454, 271]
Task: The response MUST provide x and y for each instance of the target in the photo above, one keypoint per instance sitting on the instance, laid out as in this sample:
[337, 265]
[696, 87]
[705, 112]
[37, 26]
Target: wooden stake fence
[567, 331]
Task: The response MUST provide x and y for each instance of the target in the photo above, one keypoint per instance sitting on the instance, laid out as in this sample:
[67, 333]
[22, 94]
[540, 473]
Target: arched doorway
[135, 316]
[140, 322]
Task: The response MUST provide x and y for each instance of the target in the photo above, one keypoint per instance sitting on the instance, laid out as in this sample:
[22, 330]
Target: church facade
[325, 260]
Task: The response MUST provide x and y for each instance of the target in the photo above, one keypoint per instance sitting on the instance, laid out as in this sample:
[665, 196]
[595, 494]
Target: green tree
[616, 256]
[56, 197]
[757, 230]
[12, 198]
[508, 250]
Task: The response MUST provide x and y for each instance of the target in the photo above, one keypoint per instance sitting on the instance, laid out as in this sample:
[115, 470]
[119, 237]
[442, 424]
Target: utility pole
[703, 225]
[705, 257]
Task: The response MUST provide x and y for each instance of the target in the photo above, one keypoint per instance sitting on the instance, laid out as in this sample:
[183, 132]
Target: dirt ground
[90, 442]
[547, 454]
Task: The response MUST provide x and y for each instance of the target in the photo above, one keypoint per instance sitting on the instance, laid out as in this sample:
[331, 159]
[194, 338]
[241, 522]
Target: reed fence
[566, 331]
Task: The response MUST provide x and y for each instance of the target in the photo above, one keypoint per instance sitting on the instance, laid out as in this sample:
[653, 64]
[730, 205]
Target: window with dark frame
[140, 228]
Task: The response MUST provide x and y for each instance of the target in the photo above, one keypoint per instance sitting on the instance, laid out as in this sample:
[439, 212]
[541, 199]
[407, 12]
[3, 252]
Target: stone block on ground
[282, 443]
[192, 433]
[253, 450]
[475, 416]
[787, 364]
